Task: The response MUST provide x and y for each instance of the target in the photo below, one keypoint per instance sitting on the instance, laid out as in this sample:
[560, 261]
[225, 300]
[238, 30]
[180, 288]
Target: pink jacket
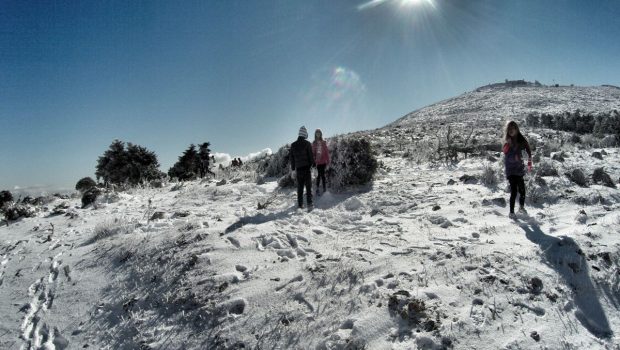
[324, 157]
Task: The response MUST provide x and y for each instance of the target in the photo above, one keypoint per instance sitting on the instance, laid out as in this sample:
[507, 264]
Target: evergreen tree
[204, 158]
[85, 184]
[187, 167]
[111, 165]
[132, 165]
[142, 164]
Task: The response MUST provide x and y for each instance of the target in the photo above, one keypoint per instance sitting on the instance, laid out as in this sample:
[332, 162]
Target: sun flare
[401, 3]
[415, 3]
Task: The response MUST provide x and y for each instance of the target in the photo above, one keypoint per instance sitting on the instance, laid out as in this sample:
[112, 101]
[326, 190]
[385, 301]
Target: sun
[410, 2]
[400, 3]
[415, 3]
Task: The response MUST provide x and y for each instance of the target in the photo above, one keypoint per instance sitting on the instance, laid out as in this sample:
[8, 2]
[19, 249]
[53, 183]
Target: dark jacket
[513, 160]
[301, 154]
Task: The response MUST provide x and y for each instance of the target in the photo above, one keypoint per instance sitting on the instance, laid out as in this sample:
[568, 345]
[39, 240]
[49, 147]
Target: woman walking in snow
[514, 145]
[321, 157]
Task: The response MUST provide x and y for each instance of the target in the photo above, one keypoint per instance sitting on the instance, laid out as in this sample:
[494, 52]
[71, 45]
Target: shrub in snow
[609, 141]
[578, 177]
[550, 147]
[85, 184]
[28, 200]
[601, 176]
[287, 181]
[489, 176]
[5, 198]
[89, 197]
[130, 165]
[547, 169]
[598, 142]
[574, 138]
[111, 228]
[107, 197]
[537, 191]
[421, 152]
[43, 200]
[17, 211]
[597, 155]
[277, 164]
[468, 179]
[558, 157]
[590, 199]
[353, 162]
[157, 183]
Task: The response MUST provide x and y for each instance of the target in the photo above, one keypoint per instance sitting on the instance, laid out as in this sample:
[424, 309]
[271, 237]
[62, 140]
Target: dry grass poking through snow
[110, 228]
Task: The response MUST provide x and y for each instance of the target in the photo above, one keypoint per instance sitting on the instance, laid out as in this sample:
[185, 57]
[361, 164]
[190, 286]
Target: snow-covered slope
[424, 258]
[499, 102]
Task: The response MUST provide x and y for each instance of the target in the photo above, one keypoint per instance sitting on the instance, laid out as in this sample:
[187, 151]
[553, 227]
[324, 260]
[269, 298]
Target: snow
[493, 103]
[411, 262]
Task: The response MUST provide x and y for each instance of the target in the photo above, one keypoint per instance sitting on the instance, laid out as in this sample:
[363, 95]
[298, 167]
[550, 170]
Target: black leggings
[516, 184]
[304, 180]
[321, 169]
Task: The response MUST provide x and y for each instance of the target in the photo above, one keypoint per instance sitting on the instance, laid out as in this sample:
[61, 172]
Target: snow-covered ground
[420, 259]
[217, 272]
[498, 102]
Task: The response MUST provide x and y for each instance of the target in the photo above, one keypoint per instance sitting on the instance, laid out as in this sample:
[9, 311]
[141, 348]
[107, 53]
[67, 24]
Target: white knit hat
[303, 132]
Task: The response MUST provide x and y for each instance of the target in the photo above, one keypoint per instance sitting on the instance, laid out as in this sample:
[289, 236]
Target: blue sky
[244, 75]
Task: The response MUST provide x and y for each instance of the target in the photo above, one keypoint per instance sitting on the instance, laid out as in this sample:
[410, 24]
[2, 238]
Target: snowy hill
[424, 258]
[501, 101]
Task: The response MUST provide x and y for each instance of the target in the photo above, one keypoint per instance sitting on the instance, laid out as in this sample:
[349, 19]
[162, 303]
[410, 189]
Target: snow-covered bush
[353, 162]
[107, 197]
[489, 176]
[110, 228]
[574, 138]
[550, 147]
[158, 183]
[594, 141]
[287, 181]
[546, 168]
[538, 193]
[578, 177]
[89, 197]
[421, 152]
[85, 184]
[16, 211]
[609, 141]
[277, 164]
[5, 198]
[601, 176]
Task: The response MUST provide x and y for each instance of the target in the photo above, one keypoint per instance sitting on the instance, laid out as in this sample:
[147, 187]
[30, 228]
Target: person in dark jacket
[301, 162]
[514, 145]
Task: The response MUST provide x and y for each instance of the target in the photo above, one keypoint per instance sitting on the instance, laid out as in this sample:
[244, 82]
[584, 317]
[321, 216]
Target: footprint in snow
[297, 278]
[234, 242]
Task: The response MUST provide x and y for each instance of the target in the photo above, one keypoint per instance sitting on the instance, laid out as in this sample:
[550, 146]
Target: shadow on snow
[564, 255]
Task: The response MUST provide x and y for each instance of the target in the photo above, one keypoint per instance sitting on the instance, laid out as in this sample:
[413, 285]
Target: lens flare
[401, 3]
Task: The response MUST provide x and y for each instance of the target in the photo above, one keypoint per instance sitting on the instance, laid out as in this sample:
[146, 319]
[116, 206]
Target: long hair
[320, 138]
[519, 138]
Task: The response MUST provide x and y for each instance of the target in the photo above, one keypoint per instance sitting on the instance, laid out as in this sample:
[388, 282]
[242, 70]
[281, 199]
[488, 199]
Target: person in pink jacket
[321, 158]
